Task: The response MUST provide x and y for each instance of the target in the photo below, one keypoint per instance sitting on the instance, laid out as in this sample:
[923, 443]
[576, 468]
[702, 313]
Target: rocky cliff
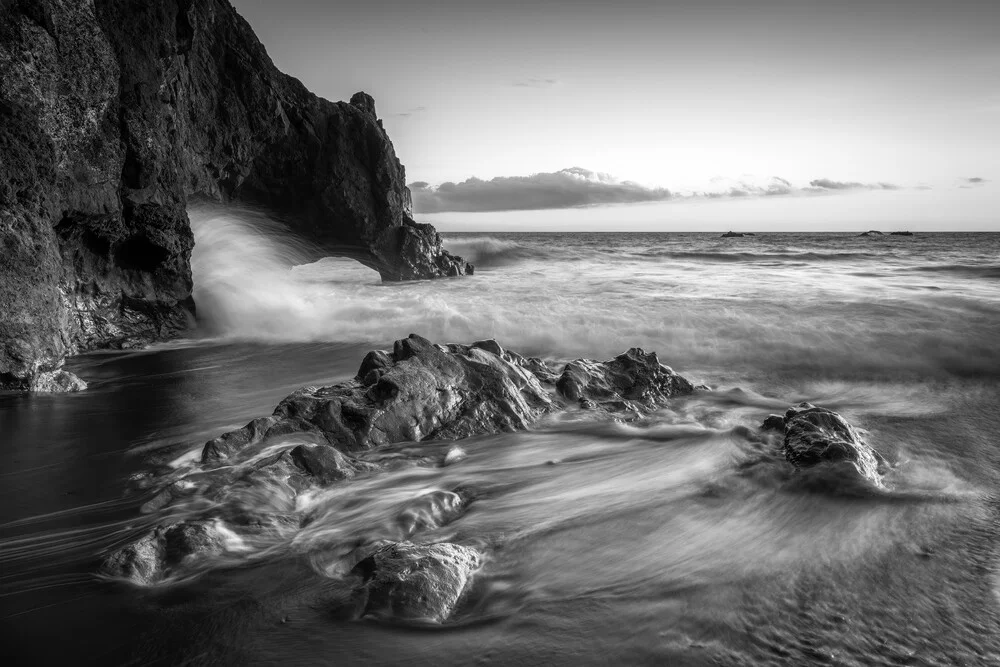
[114, 114]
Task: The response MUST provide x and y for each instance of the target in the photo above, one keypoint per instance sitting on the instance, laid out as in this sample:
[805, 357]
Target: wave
[490, 251]
[763, 256]
[989, 271]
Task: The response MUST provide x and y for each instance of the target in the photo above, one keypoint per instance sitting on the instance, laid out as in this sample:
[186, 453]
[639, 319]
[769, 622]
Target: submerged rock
[416, 581]
[814, 436]
[433, 510]
[418, 391]
[57, 382]
[631, 381]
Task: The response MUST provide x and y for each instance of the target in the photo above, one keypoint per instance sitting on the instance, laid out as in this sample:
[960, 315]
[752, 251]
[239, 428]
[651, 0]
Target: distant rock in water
[814, 436]
[900, 233]
[871, 232]
[113, 116]
[733, 235]
[416, 581]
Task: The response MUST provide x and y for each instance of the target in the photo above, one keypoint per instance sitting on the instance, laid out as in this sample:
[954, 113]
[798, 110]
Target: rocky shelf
[319, 437]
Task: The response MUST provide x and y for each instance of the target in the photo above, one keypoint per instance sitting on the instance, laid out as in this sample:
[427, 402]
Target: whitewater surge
[832, 303]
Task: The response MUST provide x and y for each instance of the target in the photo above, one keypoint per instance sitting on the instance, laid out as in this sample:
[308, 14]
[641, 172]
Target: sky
[633, 106]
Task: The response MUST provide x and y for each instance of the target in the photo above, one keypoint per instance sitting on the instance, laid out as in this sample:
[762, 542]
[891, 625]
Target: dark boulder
[323, 463]
[633, 381]
[733, 235]
[422, 582]
[114, 115]
[418, 391]
[814, 436]
[164, 549]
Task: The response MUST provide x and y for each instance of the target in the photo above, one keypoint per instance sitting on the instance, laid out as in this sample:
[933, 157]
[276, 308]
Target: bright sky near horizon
[670, 94]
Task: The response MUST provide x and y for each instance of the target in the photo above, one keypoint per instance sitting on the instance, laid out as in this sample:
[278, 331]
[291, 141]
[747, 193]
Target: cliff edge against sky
[114, 114]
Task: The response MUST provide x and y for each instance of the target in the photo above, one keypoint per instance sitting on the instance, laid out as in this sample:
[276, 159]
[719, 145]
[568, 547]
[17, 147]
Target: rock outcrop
[635, 381]
[814, 436]
[114, 115]
[416, 581]
[416, 392]
[259, 484]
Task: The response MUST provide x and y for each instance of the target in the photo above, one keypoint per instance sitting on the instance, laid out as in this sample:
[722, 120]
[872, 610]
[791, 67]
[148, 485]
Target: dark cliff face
[113, 115]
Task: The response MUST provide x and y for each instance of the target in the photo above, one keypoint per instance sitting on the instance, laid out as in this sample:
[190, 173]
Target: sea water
[677, 540]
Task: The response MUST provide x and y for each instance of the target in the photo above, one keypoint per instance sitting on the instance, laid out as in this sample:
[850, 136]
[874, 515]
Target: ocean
[676, 540]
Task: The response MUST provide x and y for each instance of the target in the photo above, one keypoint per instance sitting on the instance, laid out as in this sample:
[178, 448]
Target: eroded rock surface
[633, 381]
[416, 392]
[417, 581]
[114, 115]
[814, 436]
[158, 553]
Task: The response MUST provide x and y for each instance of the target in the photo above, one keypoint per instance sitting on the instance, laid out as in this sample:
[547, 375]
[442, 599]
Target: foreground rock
[114, 115]
[634, 381]
[814, 436]
[416, 392]
[416, 581]
[252, 480]
[159, 553]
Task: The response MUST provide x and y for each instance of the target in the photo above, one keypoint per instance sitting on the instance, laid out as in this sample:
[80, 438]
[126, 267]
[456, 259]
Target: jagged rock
[192, 539]
[733, 235]
[631, 381]
[416, 581]
[114, 114]
[57, 382]
[150, 558]
[419, 391]
[816, 436]
[773, 423]
[141, 562]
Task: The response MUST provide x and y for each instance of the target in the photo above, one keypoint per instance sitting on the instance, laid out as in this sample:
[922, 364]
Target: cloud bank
[827, 184]
[566, 188]
[577, 187]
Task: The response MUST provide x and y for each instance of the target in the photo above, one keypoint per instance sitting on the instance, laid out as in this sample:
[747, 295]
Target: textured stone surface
[633, 381]
[418, 391]
[56, 382]
[114, 114]
[417, 581]
[814, 436]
